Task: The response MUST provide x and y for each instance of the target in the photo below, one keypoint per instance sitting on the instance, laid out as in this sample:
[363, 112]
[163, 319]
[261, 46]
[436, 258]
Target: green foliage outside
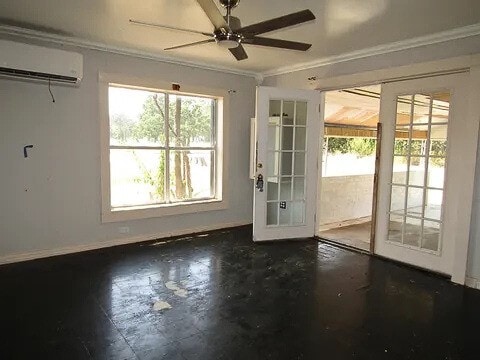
[358, 146]
[366, 147]
[189, 121]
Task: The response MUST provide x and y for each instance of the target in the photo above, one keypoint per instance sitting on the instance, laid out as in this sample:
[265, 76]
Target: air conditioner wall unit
[40, 63]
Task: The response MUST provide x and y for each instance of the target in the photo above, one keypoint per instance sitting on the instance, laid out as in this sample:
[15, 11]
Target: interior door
[288, 132]
[421, 174]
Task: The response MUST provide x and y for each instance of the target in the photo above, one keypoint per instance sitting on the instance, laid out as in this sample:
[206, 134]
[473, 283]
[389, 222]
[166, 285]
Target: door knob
[259, 183]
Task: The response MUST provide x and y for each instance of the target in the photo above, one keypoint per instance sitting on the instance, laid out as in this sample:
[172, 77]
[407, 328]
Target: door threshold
[340, 245]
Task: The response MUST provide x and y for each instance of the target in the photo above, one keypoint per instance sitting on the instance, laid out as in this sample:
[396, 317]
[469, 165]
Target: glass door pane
[418, 171]
[286, 144]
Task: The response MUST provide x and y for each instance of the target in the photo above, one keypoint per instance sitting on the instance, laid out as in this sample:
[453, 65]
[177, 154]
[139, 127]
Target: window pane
[190, 175]
[436, 172]
[413, 232]
[285, 214]
[441, 107]
[416, 175]
[272, 213]
[272, 189]
[301, 113]
[275, 108]
[288, 112]
[401, 146]
[415, 201]
[286, 189]
[433, 204]
[298, 210]
[299, 163]
[300, 138]
[404, 110]
[137, 177]
[273, 137]
[299, 188]
[287, 138]
[136, 117]
[191, 121]
[431, 235]
[397, 200]
[421, 110]
[272, 166]
[417, 147]
[399, 175]
[395, 228]
[286, 163]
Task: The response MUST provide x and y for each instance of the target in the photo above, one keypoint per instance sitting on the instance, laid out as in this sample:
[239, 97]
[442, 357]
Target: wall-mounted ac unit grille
[40, 63]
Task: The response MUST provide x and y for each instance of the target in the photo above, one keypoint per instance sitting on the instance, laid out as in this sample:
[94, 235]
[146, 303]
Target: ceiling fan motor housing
[229, 4]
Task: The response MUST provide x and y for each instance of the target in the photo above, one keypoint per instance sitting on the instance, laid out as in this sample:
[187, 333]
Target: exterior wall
[51, 201]
[350, 197]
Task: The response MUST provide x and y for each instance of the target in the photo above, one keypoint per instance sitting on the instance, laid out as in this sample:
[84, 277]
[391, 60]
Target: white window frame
[220, 201]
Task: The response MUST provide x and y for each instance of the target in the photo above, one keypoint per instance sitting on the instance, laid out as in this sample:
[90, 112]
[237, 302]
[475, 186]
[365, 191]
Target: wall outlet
[123, 229]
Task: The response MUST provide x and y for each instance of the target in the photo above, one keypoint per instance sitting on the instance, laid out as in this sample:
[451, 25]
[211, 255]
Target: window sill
[137, 213]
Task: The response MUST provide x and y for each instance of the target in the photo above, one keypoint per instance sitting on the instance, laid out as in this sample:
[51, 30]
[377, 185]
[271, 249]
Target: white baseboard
[13, 258]
[472, 282]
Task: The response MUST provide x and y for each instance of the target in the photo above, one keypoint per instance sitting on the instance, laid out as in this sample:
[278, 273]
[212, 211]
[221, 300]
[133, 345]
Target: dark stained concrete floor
[285, 300]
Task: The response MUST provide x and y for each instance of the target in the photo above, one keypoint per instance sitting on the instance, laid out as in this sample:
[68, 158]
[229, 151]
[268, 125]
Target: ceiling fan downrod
[229, 5]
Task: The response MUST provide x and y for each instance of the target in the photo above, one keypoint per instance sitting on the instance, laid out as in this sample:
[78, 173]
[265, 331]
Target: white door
[287, 133]
[420, 219]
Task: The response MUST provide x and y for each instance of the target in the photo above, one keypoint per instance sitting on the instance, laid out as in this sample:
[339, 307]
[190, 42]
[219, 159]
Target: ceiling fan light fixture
[228, 44]
[228, 40]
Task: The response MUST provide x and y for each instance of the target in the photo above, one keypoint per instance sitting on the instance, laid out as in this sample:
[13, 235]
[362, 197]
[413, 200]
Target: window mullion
[166, 177]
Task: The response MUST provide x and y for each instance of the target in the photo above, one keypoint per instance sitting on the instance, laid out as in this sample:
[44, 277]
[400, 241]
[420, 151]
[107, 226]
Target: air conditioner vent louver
[36, 75]
[33, 62]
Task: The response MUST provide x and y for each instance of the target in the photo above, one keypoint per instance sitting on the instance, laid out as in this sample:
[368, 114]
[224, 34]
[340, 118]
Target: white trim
[222, 137]
[439, 37]
[114, 242]
[94, 45]
[443, 36]
[472, 282]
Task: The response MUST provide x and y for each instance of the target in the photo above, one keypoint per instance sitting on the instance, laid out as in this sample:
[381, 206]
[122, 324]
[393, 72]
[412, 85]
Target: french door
[287, 137]
[425, 135]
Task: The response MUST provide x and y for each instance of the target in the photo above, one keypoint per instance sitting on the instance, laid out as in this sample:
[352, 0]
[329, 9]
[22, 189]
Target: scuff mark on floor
[161, 305]
[158, 243]
[172, 285]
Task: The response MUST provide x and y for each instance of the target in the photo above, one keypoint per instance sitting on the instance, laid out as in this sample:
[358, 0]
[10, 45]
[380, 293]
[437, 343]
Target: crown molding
[93, 45]
[444, 36]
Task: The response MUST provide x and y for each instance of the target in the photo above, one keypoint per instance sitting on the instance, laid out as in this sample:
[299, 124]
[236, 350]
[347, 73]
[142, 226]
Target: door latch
[259, 183]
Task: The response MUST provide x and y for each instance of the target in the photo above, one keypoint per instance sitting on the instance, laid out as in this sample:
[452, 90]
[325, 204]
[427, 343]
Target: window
[162, 150]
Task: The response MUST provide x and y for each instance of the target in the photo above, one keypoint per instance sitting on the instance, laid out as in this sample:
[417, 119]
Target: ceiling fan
[229, 33]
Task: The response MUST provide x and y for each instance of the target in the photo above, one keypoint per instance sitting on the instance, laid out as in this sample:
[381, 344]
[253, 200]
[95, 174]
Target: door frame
[318, 210]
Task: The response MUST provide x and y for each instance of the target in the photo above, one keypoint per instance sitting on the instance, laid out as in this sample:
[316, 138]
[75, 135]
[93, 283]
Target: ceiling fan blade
[278, 23]
[145, 23]
[277, 43]
[239, 53]
[213, 14]
[191, 44]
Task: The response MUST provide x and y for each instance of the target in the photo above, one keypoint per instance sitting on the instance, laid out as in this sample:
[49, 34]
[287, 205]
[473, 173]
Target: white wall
[51, 201]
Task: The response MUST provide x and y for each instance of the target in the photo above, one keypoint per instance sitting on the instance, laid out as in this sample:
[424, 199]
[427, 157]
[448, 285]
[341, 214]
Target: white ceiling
[342, 26]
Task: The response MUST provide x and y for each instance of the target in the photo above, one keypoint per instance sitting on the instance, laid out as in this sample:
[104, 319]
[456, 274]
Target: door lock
[259, 183]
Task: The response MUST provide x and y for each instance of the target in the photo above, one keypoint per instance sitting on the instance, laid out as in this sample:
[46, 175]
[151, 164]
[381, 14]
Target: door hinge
[315, 217]
[319, 107]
